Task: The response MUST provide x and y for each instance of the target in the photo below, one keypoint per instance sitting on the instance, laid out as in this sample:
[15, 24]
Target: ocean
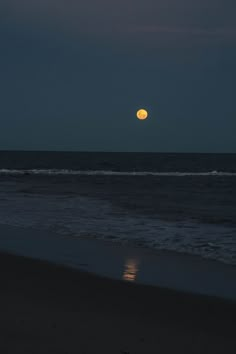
[184, 203]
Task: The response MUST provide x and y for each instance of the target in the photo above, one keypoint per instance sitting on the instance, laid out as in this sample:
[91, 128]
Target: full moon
[142, 114]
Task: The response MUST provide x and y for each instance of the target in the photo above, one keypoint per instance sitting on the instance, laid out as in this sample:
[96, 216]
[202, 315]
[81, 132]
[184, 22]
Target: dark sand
[52, 309]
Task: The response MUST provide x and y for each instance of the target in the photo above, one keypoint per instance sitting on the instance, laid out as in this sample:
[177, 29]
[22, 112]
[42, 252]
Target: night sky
[73, 74]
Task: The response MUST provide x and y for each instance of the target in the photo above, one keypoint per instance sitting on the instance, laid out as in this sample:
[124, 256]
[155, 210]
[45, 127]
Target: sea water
[180, 202]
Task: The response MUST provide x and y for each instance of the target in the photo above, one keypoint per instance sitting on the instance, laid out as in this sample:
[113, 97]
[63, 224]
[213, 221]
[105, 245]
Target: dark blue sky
[73, 74]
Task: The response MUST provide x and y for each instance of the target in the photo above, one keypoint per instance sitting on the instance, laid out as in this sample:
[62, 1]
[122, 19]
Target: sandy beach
[53, 309]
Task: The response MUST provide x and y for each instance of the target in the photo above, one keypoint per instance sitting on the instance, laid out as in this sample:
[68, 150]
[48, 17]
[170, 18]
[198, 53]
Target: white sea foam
[83, 217]
[64, 172]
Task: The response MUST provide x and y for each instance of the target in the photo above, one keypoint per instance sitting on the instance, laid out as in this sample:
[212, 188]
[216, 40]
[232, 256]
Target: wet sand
[164, 269]
[53, 309]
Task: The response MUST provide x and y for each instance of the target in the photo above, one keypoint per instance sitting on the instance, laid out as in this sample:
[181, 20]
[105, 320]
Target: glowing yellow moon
[142, 114]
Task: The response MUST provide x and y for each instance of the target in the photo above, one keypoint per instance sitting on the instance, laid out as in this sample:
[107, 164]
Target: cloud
[199, 20]
[229, 33]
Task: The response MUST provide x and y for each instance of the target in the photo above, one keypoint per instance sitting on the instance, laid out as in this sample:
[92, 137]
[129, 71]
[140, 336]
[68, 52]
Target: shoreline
[47, 265]
[48, 308]
[163, 269]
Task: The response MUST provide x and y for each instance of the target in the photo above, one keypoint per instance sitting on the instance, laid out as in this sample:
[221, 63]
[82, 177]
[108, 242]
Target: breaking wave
[64, 172]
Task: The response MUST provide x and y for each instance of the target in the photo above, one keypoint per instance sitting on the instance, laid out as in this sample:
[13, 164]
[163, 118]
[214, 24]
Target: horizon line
[117, 152]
